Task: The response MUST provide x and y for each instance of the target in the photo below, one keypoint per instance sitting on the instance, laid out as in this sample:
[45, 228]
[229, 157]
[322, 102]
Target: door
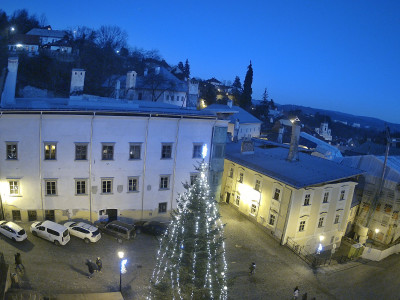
[112, 214]
[41, 231]
[228, 196]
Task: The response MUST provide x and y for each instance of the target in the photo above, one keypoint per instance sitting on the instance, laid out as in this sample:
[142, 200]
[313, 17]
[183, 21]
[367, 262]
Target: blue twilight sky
[340, 55]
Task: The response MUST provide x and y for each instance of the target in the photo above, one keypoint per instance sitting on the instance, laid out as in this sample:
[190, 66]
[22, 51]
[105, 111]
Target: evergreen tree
[247, 90]
[191, 261]
[186, 69]
[237, 90]
[180, 66]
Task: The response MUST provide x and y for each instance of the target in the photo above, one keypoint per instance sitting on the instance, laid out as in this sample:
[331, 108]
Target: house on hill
[47, 36]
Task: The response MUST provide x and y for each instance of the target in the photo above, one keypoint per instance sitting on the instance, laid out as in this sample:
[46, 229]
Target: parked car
[55, 233]
[119, 229]
[151, 227]
[12, 231]
[85, 231]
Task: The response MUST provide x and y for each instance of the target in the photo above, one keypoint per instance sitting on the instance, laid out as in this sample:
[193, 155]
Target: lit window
[80, 152]
[237, 201]
[326, 197]
[50, 151]
[80, 186]
[132, 184]
[106, 185]
[197, 150]
[321, 222]
[241, 178]
[302, 225]
[257, 186]
[166, 151]
[231, 173]
[342, 194]
[14, 187]
[107, 152]
[162, 207]
[12, 151]
[134, 151]
[51, 187]
[276, 194]
[253, 209]
[337, 219]
[307, 199]
[272, 220]
[164, 182]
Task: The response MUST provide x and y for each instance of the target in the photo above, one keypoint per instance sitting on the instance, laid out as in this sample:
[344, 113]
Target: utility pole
[378, 192]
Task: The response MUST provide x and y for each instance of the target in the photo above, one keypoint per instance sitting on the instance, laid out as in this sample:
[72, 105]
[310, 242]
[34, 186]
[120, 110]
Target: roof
[237, 112]
[47, 33]
[372, 148]
[306, 172]
[24, 39]
[373, 165]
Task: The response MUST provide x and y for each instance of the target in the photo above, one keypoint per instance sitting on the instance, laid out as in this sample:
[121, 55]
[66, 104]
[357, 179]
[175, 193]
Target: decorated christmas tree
[191, 260]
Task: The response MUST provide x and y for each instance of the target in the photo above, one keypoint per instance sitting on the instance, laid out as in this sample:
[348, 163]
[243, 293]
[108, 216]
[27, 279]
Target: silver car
[85, 231]
[12, 231]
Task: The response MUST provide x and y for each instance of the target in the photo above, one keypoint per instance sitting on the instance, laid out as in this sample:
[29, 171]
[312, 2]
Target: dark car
[151, 227]
[119, 229]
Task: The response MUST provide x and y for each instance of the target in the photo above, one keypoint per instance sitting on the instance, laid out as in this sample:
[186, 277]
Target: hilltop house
[87, 156]
[294, 196]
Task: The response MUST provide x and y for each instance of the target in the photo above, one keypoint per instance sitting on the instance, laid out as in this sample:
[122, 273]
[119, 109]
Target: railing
[314, 260]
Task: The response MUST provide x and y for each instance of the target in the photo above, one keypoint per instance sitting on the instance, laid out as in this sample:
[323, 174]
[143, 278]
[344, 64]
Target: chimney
[229, 103]
[145, 72]
[247, 146]
[294, 141]
[157, 70]
[77, 84]
[130, 80]
[8, 96]
[117, 88]
[280, 135]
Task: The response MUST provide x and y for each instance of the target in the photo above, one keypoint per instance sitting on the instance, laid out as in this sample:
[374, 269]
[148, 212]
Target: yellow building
[297, 196]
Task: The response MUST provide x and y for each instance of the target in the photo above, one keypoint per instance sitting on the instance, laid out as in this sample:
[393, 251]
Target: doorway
[112, 214]
[228, 196]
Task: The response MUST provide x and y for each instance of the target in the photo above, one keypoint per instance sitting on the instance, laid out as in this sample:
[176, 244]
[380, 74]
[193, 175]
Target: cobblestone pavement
[55, 270]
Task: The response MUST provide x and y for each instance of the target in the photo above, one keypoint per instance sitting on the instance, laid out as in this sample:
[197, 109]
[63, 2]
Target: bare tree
[111, 37]
[157, 84]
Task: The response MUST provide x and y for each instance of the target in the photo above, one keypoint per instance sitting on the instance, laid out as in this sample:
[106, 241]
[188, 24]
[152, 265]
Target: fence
[314, 260]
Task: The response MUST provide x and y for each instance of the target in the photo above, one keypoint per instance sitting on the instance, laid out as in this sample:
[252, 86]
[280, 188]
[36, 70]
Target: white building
[324, 132]
[85, 157]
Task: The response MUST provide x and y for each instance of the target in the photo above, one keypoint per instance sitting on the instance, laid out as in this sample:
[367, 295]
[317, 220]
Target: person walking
[99, 264]
[296, 293]
[18, 262]
[252, 268]
[91, 268]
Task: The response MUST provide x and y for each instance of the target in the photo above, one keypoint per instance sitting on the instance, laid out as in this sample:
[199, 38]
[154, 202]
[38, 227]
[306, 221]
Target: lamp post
[376, 232]
[121, 256]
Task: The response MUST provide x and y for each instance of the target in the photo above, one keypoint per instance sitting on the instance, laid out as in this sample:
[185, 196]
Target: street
[55, 270]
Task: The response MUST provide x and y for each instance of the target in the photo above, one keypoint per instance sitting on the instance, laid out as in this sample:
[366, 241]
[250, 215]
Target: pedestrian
[99, 264]
[91, 268]
[296, 293]
[18, 262]
[252, 268]
[304, 296]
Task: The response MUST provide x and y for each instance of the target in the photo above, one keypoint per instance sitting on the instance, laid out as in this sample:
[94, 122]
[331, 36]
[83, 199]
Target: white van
[55, 233]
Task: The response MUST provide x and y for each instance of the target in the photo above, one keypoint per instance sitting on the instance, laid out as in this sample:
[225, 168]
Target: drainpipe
[40, 163]
[283, 237]
[144, 163]
[174, 167]
[90, 166]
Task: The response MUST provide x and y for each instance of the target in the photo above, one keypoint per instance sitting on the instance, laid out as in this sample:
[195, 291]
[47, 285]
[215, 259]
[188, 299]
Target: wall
[377, 255]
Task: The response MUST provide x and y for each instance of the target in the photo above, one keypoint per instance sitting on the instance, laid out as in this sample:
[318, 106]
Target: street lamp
[121, 268]
[321, 238]
[376, 232]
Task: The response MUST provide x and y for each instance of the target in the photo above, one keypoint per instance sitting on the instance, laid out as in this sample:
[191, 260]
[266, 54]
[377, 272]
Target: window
[106, 185]
[12, 151]
[80, 187]
[253, 209]
[16, 214]
[50, 151]
[14, 187]
[134, 151]
[132, 184]
[272, 219]
[167, 97]
[257, 186]
[166, 151]
[302, 225]
[241, 178]
[172, 97]
[342, 194]
[307, 199]
[321, 222]
[107, 152]
[177, 98]
[237, 200]
[162, 207]
[32, 215]
[193, 178]
[197, 150]
[276, 194]
[326, 197]
[49, 215]
[337, 219]
[80, 151]
[140, 96]
[218, 151]
[51, 187]
[164, 182]
[231, 173]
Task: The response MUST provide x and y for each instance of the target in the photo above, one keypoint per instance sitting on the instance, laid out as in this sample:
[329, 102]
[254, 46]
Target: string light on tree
[191, 260]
